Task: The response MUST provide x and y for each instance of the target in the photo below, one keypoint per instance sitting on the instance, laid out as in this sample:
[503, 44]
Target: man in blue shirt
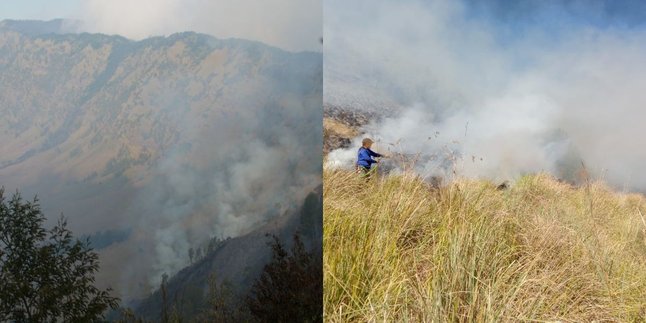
[364, 160]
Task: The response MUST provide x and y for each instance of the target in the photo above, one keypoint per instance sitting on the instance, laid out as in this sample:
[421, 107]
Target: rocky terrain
[341, 124]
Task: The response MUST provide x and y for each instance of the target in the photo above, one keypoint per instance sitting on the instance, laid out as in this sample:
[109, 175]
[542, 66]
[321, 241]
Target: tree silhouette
[198, 254]
[290, 289]
[222, 304]
[45, 275]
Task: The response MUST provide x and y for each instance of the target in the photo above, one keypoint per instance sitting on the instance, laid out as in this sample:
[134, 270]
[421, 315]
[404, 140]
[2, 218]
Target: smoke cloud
[289, 24]
[494, 93]
[233, 168]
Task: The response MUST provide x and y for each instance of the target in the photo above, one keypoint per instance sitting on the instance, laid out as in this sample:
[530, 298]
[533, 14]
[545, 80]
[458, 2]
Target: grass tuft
[400, 250]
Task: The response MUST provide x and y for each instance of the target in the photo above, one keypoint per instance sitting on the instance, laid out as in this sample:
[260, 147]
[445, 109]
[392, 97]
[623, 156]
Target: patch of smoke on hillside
[248, 158]
[484, 103]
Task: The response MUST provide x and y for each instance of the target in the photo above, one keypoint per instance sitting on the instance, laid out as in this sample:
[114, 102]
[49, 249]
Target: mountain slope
[238, 261]
[168, 140]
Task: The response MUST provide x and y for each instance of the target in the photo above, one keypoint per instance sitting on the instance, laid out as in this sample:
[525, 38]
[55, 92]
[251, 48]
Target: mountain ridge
[173, 139]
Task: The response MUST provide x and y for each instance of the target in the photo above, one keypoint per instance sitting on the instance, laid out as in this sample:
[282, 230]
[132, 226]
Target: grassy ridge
[397, 249]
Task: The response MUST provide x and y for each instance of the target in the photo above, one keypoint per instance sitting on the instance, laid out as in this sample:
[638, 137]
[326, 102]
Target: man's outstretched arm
[374, 154]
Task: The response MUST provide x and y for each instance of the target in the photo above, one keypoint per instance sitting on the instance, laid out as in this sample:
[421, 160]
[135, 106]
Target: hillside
[471, 251]
[237, 261]
[160, 144]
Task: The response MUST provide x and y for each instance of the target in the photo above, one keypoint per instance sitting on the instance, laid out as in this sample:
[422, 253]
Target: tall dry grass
[398, 250]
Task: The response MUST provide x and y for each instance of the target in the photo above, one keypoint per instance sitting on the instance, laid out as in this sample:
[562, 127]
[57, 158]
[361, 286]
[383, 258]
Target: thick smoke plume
[536, 88]
[256, 158]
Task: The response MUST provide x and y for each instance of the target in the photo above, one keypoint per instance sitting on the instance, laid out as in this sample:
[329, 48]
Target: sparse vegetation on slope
[397, 249]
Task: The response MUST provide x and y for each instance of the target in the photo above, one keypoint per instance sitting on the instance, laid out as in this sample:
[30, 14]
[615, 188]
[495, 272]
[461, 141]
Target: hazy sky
[38, 9]
[290, 24]
[496, 88]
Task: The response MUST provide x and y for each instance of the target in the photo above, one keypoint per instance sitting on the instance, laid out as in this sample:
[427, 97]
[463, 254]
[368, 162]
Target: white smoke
[232, 172]
[502, 105]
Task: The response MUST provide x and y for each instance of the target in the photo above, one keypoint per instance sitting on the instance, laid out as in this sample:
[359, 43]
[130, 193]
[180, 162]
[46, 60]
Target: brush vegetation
[398, 249]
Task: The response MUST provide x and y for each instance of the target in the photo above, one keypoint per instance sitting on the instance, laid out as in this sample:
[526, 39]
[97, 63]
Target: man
[364, 160]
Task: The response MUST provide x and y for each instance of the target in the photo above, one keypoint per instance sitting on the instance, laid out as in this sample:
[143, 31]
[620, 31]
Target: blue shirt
[365, 157]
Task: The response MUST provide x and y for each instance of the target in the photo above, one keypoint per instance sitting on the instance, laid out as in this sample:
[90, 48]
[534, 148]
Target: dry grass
[397, 250]
[339, 128]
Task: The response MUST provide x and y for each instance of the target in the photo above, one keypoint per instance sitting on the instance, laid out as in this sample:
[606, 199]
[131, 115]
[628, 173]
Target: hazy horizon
[289, 25]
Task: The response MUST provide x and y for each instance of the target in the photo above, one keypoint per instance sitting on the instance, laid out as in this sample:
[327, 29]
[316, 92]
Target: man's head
[366, 142]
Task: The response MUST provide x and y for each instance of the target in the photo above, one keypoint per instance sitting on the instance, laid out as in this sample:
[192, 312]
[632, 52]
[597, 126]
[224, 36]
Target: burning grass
[398, 249]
